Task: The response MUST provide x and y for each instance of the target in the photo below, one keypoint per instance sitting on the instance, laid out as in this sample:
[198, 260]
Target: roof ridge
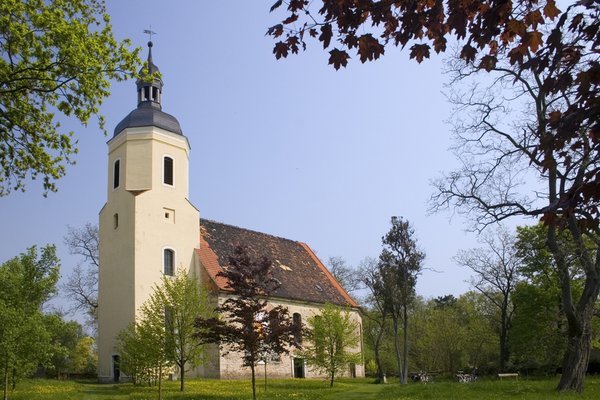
[248, 230]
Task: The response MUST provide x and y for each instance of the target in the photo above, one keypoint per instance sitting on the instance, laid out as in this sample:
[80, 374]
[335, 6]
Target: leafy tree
[183, 302]
[64, 336]
[81, 287]
[400, 263]
[544, 62]
[84, 357]
[540, 324]
[495, 266]
[333, 336]
[56, 57]
[438, 337]
[537, 334]
[26, 283]
[144, 347]
[134, 360]
[247, 326]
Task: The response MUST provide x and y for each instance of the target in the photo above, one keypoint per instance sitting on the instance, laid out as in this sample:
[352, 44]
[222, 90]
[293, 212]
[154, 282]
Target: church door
[298, 367]
[116, 368]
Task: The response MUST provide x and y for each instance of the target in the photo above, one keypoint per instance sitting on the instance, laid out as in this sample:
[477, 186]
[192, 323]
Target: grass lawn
[304, 389]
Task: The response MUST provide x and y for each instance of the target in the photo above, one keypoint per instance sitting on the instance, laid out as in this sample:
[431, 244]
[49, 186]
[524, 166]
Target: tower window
[168, 170]
[116, 221]
[116, 174]
[168, 262]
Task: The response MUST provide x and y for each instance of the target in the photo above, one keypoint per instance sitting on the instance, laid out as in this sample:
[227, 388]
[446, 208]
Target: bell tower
[148, 227]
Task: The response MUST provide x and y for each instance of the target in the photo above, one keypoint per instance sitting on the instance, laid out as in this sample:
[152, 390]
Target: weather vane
[150, 32]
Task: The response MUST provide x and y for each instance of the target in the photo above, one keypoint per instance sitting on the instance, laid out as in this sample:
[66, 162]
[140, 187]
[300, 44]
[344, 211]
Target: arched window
[168, 170]
[116, 174]
[168, 262]
[297, 321]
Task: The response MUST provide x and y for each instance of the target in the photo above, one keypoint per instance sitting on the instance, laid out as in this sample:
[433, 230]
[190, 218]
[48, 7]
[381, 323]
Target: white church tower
[148, 227]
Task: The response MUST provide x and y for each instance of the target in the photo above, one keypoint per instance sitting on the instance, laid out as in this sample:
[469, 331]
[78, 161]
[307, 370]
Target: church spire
[149, 87]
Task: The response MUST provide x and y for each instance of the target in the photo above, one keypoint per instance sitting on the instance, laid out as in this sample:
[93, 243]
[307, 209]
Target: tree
[81, 287]
[345, 275]
[496, 275]
[539, 318]
[332, 335]
[400, 263]
[64, 336]
[182, 302]
[134, 361]
[545, 62]
[247, 326]
[57, 58]
[144, 346]
[26, 283]
[379, 290]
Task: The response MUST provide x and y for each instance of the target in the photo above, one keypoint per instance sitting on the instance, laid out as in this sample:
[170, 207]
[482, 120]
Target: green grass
[305, 389]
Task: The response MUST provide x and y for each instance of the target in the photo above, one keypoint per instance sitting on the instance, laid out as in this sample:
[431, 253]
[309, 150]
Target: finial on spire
[150, 32]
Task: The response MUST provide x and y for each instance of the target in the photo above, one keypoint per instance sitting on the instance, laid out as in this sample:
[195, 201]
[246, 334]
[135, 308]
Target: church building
[149, 228]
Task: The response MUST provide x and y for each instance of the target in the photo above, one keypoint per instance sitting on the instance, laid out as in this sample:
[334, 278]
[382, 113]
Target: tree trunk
[404, 376]
[503, 337]
[5, 383]
[579, 315]
[397, 347]
[332, 377]
[253, 381]
[181, 376]
[380, 371]
[160, 382]
[575, 362]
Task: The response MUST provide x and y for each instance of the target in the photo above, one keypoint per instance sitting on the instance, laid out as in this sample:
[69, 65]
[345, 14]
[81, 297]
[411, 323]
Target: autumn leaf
[290, 19]
[468, 53]
[533, 40]
[419, 52]
[369, 48]
[488, 63]
[275, 30]
[338, 58]
[550, 10]
[555, 117]
[516, 26]
[326, 35]
[292, 44]
[276, 5]
[280, 50]
[534, 18]
[516, 54]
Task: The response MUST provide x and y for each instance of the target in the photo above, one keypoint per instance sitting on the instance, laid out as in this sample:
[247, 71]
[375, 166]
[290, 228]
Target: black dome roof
[147, 115]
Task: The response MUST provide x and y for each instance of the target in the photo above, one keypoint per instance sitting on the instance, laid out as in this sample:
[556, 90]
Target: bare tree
[528, 145]
[81, 287]
[495, 266]
[347, 276]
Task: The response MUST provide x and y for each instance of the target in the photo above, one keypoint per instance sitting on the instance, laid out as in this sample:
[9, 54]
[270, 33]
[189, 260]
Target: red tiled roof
[302, 275]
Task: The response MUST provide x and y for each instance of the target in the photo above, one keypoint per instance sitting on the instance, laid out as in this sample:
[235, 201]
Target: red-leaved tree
[247, 325]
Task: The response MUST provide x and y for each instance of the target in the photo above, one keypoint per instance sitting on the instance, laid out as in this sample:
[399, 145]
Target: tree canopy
[334, 337]
[57, 57]
[26, 283]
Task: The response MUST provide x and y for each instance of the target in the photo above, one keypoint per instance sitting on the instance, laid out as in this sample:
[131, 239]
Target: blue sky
[291, 147]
